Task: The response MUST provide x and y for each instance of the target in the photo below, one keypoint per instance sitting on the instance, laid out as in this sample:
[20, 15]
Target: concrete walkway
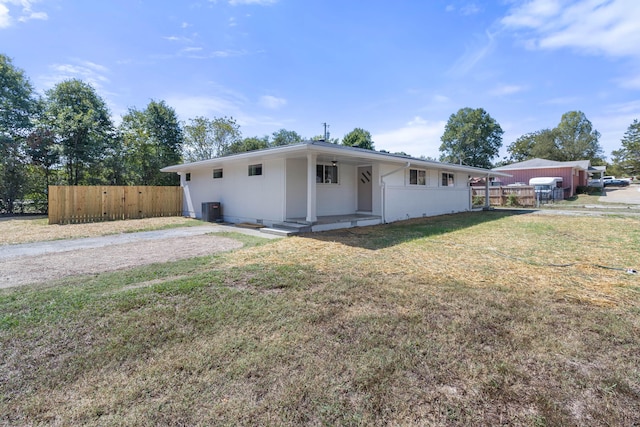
[40, 248]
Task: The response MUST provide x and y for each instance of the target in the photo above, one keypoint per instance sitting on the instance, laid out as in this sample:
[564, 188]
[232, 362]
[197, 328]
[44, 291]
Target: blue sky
[398, 69]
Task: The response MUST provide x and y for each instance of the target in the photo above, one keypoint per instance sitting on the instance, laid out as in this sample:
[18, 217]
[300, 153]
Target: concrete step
[278, 231]
[288, 228]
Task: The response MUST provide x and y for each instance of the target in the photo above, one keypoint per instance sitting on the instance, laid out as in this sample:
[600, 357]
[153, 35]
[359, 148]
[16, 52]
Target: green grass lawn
[483, 318]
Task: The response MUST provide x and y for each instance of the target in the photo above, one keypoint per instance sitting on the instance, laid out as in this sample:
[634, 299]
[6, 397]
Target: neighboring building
[325, 186]
[573, 174]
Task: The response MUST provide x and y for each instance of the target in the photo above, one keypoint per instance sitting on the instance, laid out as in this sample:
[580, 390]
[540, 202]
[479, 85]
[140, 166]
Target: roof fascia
[326, 148]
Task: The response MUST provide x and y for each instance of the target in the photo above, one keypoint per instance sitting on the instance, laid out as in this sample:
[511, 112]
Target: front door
[365, 188]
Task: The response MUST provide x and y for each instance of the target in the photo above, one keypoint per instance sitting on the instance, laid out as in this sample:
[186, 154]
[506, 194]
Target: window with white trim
[255, 170]
[217, 173]
[327, 174]
[417, 177]
[448, 179]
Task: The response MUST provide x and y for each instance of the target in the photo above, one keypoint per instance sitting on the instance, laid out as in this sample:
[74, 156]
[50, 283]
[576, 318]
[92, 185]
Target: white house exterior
[306, 182]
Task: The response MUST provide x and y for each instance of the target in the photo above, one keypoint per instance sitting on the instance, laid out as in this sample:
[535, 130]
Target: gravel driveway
[46, 261]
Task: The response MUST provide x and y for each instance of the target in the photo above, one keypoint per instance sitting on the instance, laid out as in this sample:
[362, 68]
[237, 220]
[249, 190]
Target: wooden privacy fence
[499, 196]
[79, 204]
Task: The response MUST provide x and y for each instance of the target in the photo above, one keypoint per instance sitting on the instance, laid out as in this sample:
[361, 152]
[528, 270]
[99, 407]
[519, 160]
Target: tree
[207, 138]
[285, 137]
[576, 138]
[358, 138]
[471, 136]
[17, 102]
[152, 139]
[248, 144]
[199, 140]
[17, 106]
[627, 158]
[43, 152]
[540, 144]
[81, 121]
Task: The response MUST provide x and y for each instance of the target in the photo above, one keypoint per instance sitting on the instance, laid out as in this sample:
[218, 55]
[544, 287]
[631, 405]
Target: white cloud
[466, 9]
[179, 39]
[613, 122]
[419, 137]
[506, 90]
[631, 82]
[5, 18]
[233, 105]
[440, 99]
[187, 106]
[272, 102]
[474, 54]
[87, 71]
[227, 53]
[20, 9]
[470, 9]
[593, 26]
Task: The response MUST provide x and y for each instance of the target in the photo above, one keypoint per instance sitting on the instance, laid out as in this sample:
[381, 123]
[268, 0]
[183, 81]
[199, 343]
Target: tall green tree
[627, 158]
[248, 144]
[199, 140]
[17, 107]
[81, 120]
[540, 144]
[285, 137]
[358, 138]
[472, 137]
[577, 139]
[43, 152]
[152, 139]
[207, 138]
[226, 131]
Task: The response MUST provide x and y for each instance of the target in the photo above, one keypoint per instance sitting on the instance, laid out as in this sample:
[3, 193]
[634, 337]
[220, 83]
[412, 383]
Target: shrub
[512, 200]
[584, 189]
[478, 200]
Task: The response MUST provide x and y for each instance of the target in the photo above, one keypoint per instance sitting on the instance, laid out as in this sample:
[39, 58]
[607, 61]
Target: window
[417, 177]
[255, 170]
[447, 179]
[187, 177]
[217, 173]
[327, 174]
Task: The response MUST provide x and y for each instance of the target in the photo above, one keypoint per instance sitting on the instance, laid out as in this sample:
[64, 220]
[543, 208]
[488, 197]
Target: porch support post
[311, 188]
[487, 201]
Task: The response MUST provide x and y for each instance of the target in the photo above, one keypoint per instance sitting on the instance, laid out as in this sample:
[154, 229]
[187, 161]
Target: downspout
[383, 186]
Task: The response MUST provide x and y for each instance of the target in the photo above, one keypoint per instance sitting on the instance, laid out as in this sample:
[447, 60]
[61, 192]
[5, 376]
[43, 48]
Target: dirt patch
[28, 229]
[42, 268]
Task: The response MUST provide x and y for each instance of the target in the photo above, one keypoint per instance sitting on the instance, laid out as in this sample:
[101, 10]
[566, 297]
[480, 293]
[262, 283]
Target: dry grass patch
[27, 230]
[584, 259]
[457, 320]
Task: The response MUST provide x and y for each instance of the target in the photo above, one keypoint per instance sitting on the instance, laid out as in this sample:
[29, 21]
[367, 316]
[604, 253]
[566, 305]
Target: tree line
[67, 137]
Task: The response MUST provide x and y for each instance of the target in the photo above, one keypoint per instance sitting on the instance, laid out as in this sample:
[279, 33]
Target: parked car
[616, 182]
